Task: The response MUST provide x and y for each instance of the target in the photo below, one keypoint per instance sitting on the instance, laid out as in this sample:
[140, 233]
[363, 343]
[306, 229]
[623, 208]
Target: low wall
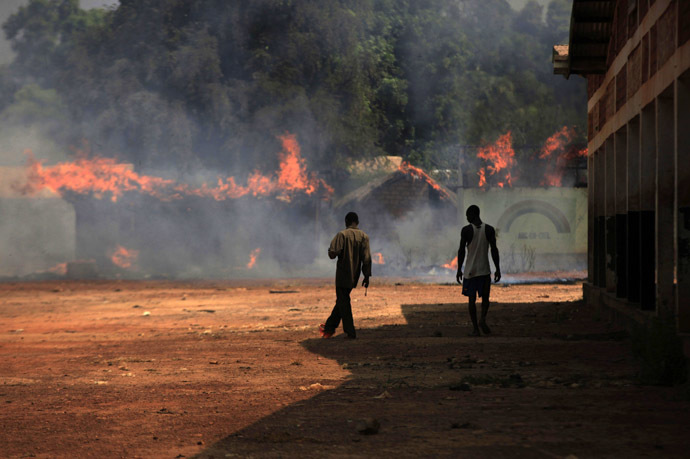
[538, 229]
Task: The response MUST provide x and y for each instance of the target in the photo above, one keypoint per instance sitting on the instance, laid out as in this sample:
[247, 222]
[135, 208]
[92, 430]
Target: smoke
[216, 108]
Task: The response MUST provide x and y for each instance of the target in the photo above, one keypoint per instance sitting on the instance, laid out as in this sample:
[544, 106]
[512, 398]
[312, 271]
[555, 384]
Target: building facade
[635, 55]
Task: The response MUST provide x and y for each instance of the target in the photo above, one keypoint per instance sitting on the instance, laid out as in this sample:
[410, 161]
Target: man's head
[472, 213]
[351, 219]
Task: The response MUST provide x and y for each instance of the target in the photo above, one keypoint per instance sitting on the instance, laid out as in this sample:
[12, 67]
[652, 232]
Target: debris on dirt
[210, 311]
[464, 425]
[383, 394]
[146, 313]
[283, 291]
[368, 426]
[465, 363]
[316, 386]
[213, 362]
[461, 386]
[19, 330]
[514, 380]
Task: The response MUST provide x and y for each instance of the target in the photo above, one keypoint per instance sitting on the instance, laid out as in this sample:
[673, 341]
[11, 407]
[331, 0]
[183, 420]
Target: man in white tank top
[477, 238]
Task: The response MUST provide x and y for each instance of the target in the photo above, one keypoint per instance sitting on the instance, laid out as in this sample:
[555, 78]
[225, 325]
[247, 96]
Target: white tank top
[477, 263]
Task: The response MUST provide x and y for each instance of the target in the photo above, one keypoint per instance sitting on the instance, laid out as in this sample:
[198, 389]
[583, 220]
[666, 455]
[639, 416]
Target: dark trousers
[342, 311]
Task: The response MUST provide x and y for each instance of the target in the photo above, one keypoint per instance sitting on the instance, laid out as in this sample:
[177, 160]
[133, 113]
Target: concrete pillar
[647, 207]
[665, 206]
[601, 217]
[683, 192]
[633, 235]
[610, 212]
[621, 148]
[591, 202]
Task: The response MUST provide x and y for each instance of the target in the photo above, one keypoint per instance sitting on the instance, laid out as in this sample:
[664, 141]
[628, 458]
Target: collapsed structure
[635, 55]
[539, 228]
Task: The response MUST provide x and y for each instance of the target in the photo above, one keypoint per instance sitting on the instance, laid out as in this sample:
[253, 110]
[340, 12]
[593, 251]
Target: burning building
[635, 55]
[415, 221]
[399, 211]
[129, 224]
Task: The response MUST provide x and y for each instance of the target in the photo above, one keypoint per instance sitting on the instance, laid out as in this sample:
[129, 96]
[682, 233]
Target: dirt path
[157, 369]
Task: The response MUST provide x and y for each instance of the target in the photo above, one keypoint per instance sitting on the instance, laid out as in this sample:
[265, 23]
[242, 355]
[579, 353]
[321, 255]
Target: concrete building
[635, 55]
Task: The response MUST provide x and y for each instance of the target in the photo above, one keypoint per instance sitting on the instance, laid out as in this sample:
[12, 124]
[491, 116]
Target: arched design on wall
[534, 206]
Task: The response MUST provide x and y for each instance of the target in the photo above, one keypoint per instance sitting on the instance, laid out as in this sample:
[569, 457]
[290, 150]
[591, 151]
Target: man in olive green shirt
[351, 246]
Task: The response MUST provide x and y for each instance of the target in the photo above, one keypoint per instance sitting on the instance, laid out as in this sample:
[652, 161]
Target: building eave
[590, 29]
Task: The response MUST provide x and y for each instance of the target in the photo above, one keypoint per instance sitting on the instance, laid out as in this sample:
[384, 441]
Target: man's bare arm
[464, 240]
[494, 253]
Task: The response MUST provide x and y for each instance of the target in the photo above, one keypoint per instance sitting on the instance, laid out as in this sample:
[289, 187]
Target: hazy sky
[7, 7]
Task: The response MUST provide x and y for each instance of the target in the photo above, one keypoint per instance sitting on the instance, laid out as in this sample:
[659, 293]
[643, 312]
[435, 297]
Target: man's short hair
[473, 211]
[351, 218]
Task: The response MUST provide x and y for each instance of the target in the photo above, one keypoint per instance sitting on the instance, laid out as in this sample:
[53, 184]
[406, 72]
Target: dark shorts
[476, 286]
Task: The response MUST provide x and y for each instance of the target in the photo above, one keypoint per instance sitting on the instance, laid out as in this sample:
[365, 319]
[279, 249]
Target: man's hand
[458, 277]
[365, 282]
[497, 276]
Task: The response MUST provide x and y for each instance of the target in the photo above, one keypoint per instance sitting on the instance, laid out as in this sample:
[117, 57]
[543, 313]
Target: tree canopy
[211, 83]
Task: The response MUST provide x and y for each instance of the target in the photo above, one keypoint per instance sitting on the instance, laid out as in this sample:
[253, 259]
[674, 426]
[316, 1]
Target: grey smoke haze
[200, 237]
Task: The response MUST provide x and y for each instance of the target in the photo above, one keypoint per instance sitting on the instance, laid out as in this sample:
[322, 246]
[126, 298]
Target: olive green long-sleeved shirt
[351, 246]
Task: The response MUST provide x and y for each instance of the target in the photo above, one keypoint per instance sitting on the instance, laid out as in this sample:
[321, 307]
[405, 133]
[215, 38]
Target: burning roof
[101, 177]
[398, 192]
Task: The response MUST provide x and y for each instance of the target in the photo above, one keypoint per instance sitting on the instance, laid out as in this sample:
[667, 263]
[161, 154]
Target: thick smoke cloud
[207, 93]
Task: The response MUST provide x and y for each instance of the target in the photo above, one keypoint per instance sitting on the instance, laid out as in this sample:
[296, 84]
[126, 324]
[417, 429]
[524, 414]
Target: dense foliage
[210, 83]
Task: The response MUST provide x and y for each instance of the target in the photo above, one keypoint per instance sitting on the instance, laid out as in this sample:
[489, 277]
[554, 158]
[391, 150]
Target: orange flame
[124, 258]
[95, 175]
[453, 264]
[417, 173]
[500, 159]
[292, 175]
[377, 259]
[555, 146]
[101, 176]
[252, 258]
[557, 142]
[59, 269]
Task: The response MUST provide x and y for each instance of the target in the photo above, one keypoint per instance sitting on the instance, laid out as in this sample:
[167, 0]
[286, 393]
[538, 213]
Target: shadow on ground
[551, 381]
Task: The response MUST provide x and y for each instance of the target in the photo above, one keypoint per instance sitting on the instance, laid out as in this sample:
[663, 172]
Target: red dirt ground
[230, 369]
